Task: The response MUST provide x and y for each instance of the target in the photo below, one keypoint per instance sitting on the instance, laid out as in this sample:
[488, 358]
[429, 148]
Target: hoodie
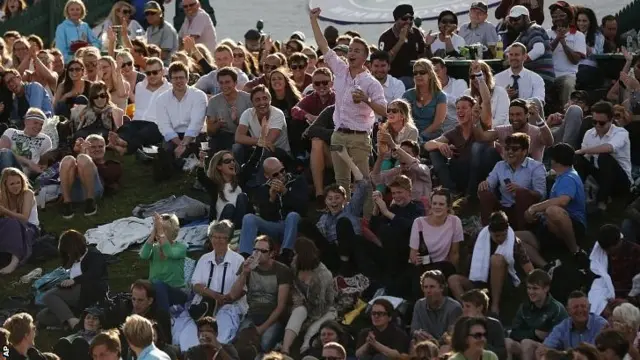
[68, 32]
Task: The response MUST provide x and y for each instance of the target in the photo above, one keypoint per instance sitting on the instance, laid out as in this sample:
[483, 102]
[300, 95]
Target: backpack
[116, 309]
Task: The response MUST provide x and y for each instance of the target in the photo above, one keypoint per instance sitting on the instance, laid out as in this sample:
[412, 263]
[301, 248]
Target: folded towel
[481, 258]
[602, 288]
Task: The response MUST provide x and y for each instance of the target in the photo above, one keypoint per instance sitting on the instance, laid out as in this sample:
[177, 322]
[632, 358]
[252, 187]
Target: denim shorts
[78, 193]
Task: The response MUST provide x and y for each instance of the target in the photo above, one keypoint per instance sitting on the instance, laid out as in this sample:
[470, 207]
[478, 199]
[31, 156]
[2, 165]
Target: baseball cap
[297, 34]
[35, 114]
[635, 287]
[479, 5]
[518, 11]
[153, 7]
[95, 311]
[562, 5]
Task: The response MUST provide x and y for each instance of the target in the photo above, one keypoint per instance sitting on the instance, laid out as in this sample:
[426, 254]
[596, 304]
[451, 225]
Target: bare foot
[11, 267]
[73, 322]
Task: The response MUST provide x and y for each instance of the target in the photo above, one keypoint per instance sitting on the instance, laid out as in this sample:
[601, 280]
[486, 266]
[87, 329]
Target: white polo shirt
[224, 275]
[618, 138]
[144, 100]
[561, 64]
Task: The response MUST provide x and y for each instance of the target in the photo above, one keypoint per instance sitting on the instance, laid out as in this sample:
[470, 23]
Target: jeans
[483, 158]
[139, 133]
[630, 230]
[270, 337]
[220, 141]
[168, 295]
[569, 131]
[252, 225]
[8, 159]
[236, 212]
[454, 168]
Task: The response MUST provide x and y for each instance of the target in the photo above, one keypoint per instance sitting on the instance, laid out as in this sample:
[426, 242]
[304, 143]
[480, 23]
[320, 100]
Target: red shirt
[311, 104]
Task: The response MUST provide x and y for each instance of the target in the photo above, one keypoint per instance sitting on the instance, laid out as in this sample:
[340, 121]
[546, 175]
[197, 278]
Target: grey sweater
[435, 321]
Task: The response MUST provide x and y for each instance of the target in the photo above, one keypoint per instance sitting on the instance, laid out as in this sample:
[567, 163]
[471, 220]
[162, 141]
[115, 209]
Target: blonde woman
[220, 180]
[73, 33]
[13, 8]
[109, 73]
[166, 268]
[5, 57]
[18, 219]
[129, 72]
[121, 12]
[499, 96]
[428, 101]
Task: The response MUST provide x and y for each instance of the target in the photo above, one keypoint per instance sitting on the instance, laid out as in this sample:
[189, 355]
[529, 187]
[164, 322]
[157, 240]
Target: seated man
[180, 117]
[224, 111]
[514, 184]
[580, 327]
[22, 149]
[339, 230]
[562, 218]
[223, 56]
[567, 126]
[478, 29]
[86, 176]
[26, 95]
[281, 203]
[143, 130]
[267, 288]
[320, 132]
[614, 344]
[408, 156]
[605, 154]
[208, 334]
[271, 62]
[143, 299]
[520, 82]
[496, 254]
[535, 319]
[435, 314]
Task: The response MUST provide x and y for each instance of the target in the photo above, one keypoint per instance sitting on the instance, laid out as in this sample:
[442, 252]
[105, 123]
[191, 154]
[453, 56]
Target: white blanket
[116, 237]
[602, 288]
[481, 258]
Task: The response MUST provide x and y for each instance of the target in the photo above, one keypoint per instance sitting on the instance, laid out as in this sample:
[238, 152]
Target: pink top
[438, 239]
[348, 114]
[536, 147]
[201, 26]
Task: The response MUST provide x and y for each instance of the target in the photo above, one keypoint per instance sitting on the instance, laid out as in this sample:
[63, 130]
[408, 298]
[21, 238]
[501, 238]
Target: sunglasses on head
[100, 96]
[407, 18]
[188, 6]
[297, 66]
[152, 72]
[264, 251]
[76, 69]
[127, 64]
[321, 83]
[228, 161]
[479, 335]
[393, 110]
[419, 72]
[601, 123]
[278, 173]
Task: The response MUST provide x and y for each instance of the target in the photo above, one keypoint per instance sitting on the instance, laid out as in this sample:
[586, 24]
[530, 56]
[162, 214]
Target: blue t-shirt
[570, 184]
[424, 116]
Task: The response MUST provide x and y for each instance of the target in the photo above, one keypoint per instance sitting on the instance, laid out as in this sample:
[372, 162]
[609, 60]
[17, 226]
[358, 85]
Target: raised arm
[323, 45]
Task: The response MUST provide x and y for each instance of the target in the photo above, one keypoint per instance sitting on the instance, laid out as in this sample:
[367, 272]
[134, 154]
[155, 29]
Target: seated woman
[384, 340]
[435, 239]
[228, 202]
[129, 73]
[166, 269]
[87, 284]
[99, 117]
[400, 126]
[76, 346]
[475, 303]
[72, 90]
[109, 72]
[469, 340]
[312, 295]
[330, 331]
[428, 101]
[18, 219]
[285, 96]
[499, 96]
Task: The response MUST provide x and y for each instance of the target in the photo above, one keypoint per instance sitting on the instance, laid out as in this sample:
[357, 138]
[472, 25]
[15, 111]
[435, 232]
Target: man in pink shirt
[359, 96]
[520, 113]
[198, 25]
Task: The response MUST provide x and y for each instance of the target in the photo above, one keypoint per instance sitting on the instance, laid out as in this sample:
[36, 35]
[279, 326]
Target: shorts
[78, 193]
[547, 239]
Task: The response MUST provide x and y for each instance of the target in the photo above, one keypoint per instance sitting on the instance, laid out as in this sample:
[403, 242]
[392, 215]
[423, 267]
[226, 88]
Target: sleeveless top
[33, 215]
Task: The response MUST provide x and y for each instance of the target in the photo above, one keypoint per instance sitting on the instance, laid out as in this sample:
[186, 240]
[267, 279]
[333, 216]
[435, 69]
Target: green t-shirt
[169, 269]
[486, 355]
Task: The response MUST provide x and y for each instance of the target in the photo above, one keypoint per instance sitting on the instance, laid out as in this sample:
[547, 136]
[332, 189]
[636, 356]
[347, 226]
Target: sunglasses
[238, 55]
[76, 69]
[126, 11]
[278, 173]
[512, 148]
[152, 72]
[321, 83]
[407, 18]
[378, 313]
[420, 72]
[297, 66]
[100, 96]
[264, 251]
[479, 335]
[228, 161]
[150, 13]
[393, 110]
[188, 6]
[601, 123]
[127, 64]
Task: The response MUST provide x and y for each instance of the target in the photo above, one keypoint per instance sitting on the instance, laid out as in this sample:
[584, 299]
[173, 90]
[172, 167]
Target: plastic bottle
[629, 43]
[499, 50]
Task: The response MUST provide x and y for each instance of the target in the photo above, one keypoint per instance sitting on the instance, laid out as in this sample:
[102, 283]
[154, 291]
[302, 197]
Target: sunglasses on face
[378, 313]
[188, 6]
[100, 96]
[278, 173]
[126, 11]
[393, 111]
[127, 64]
[76, 69]
[321, 83]
[297, 66]
[150, 13]
[478, 335]
[152, 72]
[228, 161]
[601, 123]
[264, 251]
[419, 72]
[447, 21]
[407, 18]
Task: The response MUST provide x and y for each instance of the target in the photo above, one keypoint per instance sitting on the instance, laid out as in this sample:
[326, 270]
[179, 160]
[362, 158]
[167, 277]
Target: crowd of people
[336, 159]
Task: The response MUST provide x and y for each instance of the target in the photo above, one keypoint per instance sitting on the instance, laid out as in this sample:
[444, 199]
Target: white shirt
[393, 89]
[561, 64]
[30, 147]
[144, 99]
[456, 40]
[76, 268]
[33, 215]
[181, 116]
[232, 261]
[530, 84]
[454, 89]
[229, 194]
[618, 138]
[499, 106]
[276, 121]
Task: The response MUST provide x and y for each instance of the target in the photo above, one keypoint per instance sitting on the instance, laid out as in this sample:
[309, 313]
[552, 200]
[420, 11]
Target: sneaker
[90, 207]
[67, 211]
[33, 274]
[552, 266]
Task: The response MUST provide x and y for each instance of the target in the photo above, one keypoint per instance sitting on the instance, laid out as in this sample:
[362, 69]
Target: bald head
[273, 168]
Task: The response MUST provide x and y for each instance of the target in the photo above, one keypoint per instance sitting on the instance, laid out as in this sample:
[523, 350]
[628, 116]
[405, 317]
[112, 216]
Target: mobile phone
[336, 148]
[507, 181]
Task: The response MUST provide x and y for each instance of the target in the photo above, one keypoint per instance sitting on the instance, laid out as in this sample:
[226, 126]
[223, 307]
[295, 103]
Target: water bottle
[629, 43]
